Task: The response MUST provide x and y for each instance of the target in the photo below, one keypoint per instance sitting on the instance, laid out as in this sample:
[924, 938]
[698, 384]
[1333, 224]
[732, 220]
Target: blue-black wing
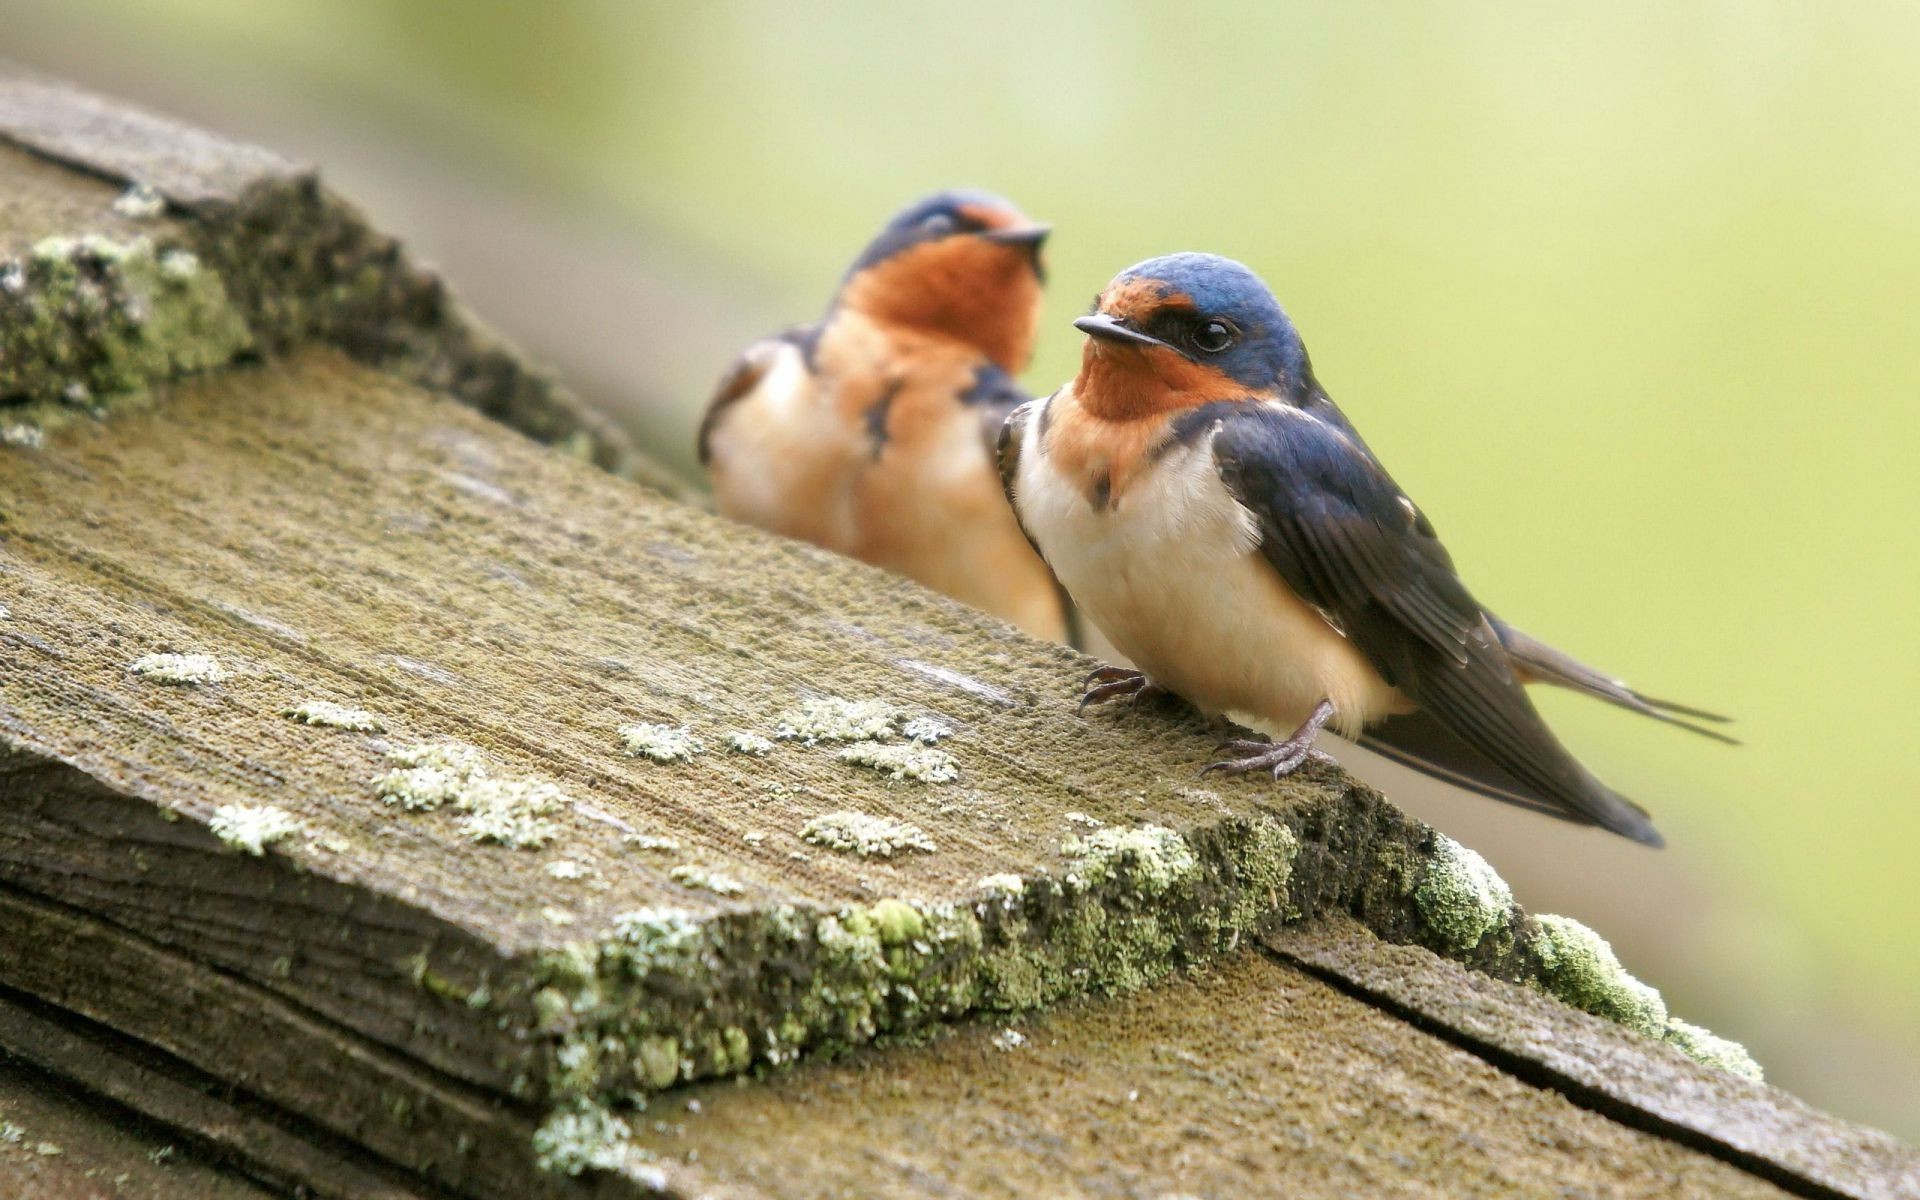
[1347, 540]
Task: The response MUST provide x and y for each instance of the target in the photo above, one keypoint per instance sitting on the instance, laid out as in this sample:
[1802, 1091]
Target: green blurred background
[1627, 296]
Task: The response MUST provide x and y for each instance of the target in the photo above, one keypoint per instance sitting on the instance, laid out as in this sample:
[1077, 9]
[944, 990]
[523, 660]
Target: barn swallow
[1213, 513]
[871, 432]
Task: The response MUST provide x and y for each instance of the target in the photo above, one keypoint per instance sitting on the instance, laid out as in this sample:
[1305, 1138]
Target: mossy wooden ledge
[392, 806]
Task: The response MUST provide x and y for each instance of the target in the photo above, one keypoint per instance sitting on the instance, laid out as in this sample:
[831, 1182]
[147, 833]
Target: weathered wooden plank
[116, 1073]
[1651, 1087]
[56, 1146]
[1245, 1079]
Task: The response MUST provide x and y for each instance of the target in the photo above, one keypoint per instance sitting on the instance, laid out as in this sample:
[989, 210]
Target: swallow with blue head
[1213, 513]
[871, 431]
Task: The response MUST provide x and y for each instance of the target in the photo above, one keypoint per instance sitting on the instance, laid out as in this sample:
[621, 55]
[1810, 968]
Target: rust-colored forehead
[1126, 297]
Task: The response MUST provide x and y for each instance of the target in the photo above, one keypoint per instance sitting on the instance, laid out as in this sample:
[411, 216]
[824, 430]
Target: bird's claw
[1279, 758]
[1282, 757]
[1107, 683]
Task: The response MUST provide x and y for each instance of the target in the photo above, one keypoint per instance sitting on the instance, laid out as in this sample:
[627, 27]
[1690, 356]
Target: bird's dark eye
[938, 225]
[1211, 337]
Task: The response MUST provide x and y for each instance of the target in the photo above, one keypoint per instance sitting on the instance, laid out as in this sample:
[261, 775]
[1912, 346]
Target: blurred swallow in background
[871, 432]
[1211, 511]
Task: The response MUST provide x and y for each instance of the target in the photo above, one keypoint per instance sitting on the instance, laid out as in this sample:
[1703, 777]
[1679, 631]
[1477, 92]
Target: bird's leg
[1106, 683]
[1282, 757]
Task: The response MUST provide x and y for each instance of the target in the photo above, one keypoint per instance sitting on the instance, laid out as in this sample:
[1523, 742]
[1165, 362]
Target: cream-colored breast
[783, 460]
[1171, 572]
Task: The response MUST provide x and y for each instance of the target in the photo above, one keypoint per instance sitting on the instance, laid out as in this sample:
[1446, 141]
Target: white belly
[1172, 574]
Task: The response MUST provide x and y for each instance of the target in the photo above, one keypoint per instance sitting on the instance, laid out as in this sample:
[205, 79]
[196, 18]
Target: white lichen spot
[179, 265]
[1009, 1039]
[832, 719]
[925, 730]
[566, 868]
[865, 835]
[48, 1149]
[504, 809]
[180, 670]
[162, 1156]
[650, 843]
[251, 828]
[741, 742]
[661, 743]
[586, 1136]
[335, 716]
[11, 1134]
[22, 434]
[1002, 887]
[1579, 967]
[688, 875]
[1713, 1051]
[1080, 818]
[1460, 897]
[921, 764]
[140, 202]
[1151, 858]
[429, 775]
[510, 812]
[753, 837]
[556, 916]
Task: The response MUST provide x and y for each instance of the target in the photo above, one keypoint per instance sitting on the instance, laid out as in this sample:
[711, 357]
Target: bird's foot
[1110, 683]
[1279, 758]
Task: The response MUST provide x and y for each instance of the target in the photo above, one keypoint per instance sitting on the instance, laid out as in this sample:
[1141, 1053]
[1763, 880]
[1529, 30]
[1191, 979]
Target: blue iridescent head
[956, 213]
[1203, 324]
[961, 265]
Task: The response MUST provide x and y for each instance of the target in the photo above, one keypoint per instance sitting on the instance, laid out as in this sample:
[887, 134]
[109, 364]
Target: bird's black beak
[1029, 238]
[1107, 329]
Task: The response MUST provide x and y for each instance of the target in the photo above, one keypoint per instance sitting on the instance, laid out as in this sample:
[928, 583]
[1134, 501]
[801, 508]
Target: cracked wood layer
[57, 1146]
[1612, 1070]
[1248, 1078]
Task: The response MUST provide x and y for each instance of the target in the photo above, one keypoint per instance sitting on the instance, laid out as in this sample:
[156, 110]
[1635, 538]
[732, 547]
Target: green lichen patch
[1704, 1047]
[926, 730]
[668, 995]
[1578, 966]
[1460, 899]
[88, 322]
[742, 742]
[661, 743]
[502, 809]
[179, 670]
[1002, 887]
[251, 828]
[866, 835]
[832, 719]
[650, 843]
[920, 764]
[585, 1136]
[335, 716]
[1153, 856]
[690, 875]
[140, 202]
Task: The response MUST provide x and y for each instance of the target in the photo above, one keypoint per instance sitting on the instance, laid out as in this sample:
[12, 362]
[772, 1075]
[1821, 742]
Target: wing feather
[1345, 539]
